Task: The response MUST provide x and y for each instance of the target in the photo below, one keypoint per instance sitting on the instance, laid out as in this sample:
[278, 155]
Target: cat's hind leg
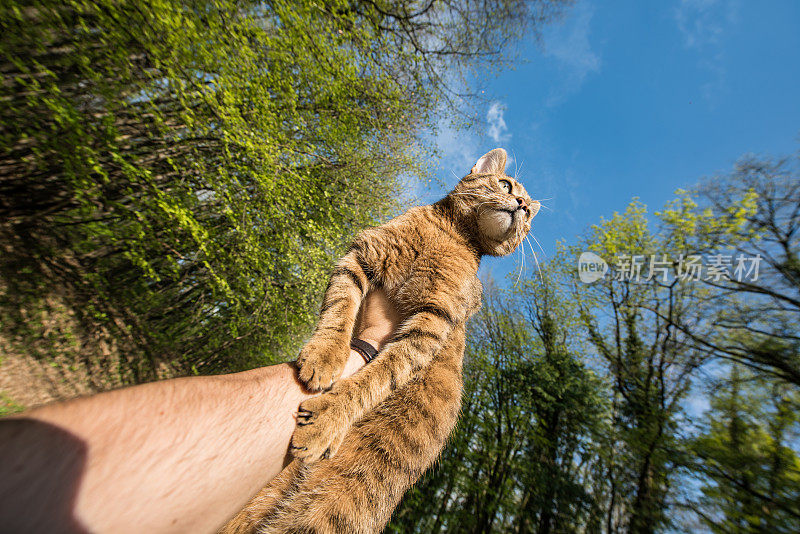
[383, 454]
[266, 502]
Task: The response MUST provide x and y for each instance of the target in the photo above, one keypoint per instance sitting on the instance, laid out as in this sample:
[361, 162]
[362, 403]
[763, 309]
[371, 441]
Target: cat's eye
[506, 186]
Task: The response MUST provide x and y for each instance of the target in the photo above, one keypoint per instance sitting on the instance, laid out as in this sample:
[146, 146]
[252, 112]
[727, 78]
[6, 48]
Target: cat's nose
[522, 203]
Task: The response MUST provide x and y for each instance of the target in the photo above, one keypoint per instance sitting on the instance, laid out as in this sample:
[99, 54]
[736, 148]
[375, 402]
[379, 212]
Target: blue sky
[626, 99]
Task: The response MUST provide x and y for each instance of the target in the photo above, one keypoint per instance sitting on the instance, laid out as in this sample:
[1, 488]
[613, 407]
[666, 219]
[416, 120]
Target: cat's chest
[429, 256]
[434, 271]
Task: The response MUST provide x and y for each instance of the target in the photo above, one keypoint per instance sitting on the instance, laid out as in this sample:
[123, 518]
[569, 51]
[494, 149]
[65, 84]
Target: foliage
[744, 457]
[579, 398]
[184, 174]
[189, 170]
[522, 456]
[751, 213]
[8, 406]
[628, 317]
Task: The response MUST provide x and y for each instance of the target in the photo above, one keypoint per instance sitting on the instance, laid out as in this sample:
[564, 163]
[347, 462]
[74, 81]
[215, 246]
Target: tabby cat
[363, 443]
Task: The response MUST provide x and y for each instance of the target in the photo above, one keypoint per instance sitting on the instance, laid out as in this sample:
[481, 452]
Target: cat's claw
[321, 427]
[320, 364]
[303, 417]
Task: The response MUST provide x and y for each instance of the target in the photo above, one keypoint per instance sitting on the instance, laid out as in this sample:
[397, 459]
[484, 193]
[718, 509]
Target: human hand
[377, 321]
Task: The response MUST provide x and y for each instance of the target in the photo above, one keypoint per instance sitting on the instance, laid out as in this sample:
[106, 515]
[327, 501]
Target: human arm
[171, 456]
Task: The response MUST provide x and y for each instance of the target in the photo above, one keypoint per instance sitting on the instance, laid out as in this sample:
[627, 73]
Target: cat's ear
[493, 162]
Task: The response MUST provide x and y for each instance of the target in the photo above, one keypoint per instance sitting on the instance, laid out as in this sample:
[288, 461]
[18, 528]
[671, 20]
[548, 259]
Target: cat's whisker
[535, 257]
[489, 198]
[471, 196]
[541, 201]
[529, 243]
[516, 167]
[537, 242]
[538, 268]
[522, 262]
[492, 202]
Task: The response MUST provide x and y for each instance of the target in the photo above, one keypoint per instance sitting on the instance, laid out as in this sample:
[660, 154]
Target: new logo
[591, 267]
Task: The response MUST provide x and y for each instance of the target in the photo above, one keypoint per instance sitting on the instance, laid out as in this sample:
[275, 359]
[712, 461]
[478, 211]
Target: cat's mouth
[517, 215]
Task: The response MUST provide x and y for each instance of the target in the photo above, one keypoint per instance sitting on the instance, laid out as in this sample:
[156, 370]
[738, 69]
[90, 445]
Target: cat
[362, 444]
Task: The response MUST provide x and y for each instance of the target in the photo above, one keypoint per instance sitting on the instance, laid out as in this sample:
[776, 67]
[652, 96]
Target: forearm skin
[179, 455]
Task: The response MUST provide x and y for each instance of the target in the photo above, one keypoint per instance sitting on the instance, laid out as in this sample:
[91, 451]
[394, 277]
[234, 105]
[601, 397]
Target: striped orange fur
[362, 444]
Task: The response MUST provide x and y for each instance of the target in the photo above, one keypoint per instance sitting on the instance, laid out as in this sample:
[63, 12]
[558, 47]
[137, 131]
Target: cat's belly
[398, 441]
[416, 420]
[382, 456]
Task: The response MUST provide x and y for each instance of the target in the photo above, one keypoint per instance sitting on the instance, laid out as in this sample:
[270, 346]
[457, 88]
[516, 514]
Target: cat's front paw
[321, 363]
[321, 426]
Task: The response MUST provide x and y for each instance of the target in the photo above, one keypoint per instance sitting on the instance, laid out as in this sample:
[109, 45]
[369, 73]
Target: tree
[188, 171]
[629, 317]
[760, 326]
[749, 473]
[562, 456]
[522, 456]
[656, 334]
[750, 218]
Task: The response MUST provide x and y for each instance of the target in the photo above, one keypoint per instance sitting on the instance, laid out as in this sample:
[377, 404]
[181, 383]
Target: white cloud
[498, 130]
[459, 149]
[568, 43]
[703, 24]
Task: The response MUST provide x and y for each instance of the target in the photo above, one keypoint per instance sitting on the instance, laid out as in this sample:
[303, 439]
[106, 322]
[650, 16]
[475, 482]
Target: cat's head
[495, 205]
